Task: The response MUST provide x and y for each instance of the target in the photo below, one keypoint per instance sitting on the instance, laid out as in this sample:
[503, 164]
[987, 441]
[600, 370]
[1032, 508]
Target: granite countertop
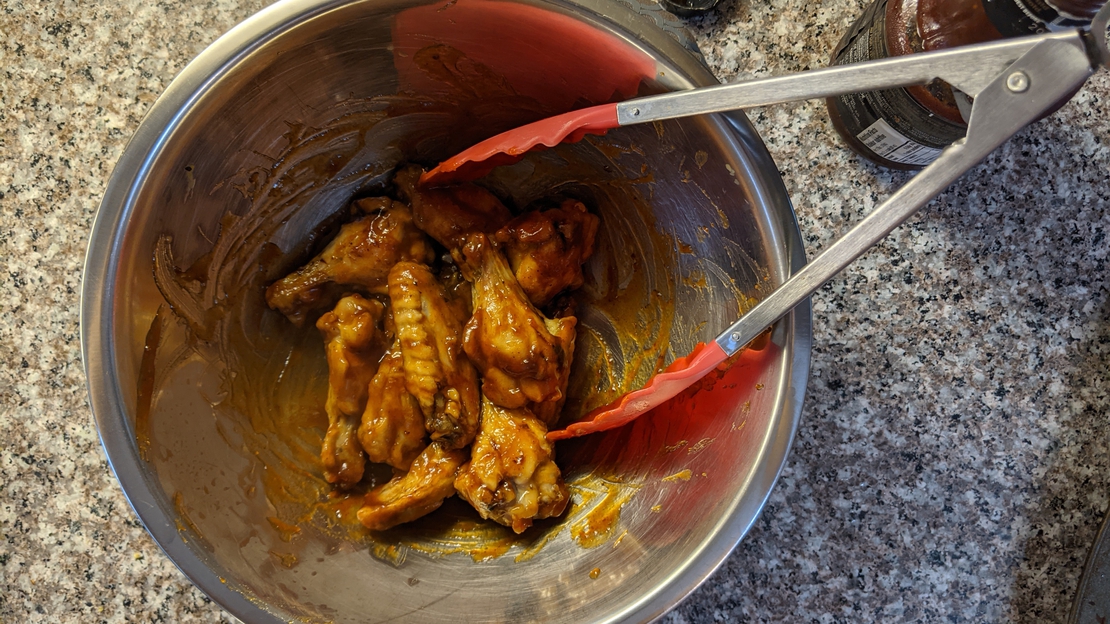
[953, 460]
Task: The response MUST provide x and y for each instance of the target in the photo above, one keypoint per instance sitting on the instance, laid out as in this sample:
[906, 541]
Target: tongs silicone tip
[508, 147]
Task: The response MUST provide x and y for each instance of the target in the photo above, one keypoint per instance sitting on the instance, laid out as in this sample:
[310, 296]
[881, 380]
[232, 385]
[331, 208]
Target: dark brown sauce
[146, 385]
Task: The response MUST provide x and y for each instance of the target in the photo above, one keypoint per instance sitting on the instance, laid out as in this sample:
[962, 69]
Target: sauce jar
[907, 128]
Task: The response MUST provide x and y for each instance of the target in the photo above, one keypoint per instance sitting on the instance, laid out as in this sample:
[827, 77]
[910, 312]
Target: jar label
[881, 138]
[1014, 18]
[890, 123]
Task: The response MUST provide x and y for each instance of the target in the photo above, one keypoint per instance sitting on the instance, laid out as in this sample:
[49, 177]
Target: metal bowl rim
[141, 490]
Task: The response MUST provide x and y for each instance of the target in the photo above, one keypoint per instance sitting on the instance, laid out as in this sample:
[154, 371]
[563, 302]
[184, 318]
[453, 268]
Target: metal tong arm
[969, 68]
[1045, 74]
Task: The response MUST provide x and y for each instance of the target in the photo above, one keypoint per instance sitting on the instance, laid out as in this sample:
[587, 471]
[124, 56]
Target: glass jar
[907, 128]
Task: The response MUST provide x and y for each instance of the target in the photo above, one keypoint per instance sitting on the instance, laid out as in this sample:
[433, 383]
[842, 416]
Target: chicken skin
[449, 213]
[392, 429]
[546, 248]
[353, 344]
[437, 372]
[511, 477]
[523, 357]
[358, 258]
[418, 492]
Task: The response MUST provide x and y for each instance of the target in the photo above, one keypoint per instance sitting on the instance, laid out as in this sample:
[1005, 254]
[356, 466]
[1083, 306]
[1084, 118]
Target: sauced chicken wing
[546, 248]
[392, 429]
[353, 347]
[420, 491]
[522, 356]
[449, 213]
[437, 372]
[512, 477]
[359, 257]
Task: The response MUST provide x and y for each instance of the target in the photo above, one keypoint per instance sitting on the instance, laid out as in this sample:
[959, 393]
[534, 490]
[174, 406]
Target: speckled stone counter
[953, 460]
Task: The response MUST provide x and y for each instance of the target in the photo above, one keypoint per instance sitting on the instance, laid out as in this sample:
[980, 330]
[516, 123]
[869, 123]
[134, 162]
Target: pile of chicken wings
[441, 360]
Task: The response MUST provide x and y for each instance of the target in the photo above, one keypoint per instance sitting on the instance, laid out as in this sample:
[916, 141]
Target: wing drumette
[437, 372]
[449, 213]
[512, 477]
[353, 346]
[524, 358]
[359, 257]
[546, 248]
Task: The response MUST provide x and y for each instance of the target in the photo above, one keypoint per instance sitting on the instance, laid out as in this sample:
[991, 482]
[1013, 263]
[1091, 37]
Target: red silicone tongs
[1013, 83]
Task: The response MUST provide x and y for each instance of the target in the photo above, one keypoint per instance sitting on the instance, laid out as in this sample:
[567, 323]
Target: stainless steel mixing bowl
[245, 160]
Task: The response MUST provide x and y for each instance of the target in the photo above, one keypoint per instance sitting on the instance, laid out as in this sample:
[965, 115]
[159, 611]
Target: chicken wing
[546, 248]
[449, 213]
[420, 491]
[392, 429]
[359, 257]
[437, 371]
[511, 477]
[353, 344]
[524, 358]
